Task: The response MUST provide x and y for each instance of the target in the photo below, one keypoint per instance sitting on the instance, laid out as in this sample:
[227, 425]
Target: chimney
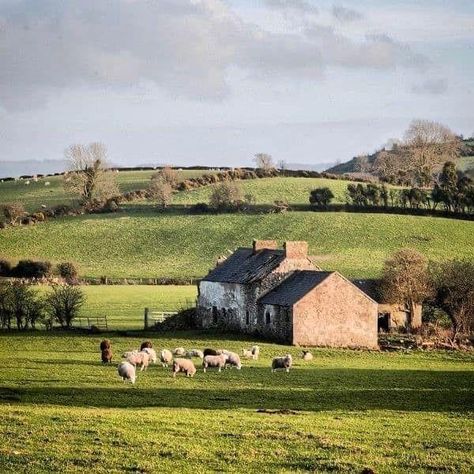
[264, 244]
[296, 249]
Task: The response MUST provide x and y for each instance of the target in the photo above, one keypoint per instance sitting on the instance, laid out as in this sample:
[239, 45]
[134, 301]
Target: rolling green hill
[144, 243]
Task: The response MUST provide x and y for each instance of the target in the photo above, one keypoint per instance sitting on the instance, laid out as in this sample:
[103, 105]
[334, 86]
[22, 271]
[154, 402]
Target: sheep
[218, 361]
[307, 356]
[47, 183]
[166, 357]
[105, 344]
[210, 352]
[127, 371]
[282, 363]
[128, 354]
[247, 354]
[151, 353]
[141, 359]
[233, 360]
[184, 365]
[145, 344]
[255, 352]
[179, 351]
[195, 353]
[107, 355]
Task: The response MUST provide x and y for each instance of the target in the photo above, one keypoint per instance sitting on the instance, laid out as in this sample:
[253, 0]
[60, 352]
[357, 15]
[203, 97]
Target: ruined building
[281, 295]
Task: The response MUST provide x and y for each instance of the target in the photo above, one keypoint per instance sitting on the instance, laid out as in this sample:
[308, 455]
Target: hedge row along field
[64, 411]
[148, 244]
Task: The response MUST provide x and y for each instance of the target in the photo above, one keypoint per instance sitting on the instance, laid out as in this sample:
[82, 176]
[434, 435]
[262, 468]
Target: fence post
[145, 319]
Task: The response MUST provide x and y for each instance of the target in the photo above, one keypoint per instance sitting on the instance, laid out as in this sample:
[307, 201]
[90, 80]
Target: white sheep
[142, 359]
[151, 353]
[255, 352]
[247, 354]
[47, 183]
[166, 357]
[127, 371]
[27, 182]
[184, 365]
[218, 361]
[179, 351]
[195, 353]
[282, 363]
[233, 360]
[307, 356]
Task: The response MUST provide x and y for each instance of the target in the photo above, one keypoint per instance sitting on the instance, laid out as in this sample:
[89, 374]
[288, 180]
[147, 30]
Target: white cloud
[344, 14]
[431, 86]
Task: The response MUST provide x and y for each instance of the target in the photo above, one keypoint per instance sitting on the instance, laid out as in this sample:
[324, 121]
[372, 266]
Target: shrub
[12, 212]
[64, 303]
[184, 319]
[321, 197]
[225, 196]
[68, 271]
[5, 268]
[280, 206]
[31, 269]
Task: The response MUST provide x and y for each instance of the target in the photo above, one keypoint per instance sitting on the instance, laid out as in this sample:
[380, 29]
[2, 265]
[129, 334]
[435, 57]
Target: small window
[247, 318]
[214, 314]
[268, 318]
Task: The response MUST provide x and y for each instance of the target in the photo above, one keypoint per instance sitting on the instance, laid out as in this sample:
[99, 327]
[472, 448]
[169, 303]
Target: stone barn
[281, 295]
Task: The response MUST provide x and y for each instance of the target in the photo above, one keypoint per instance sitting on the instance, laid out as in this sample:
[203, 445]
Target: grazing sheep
[151, 353]
[247, 354]
[233, 360]
[128, 354]
[210, 352]
[145, 344]
[166, 357]
[218, 361]
[306, 355]
[47, 183]
[107, 355]
[184, 365]
[105, 344]
[179, 351]
[255, 352]
[282, 363]
[142, 359]
[127, 371]
[195, 353]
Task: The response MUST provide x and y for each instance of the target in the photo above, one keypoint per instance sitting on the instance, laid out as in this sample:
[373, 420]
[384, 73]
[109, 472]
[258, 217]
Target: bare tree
[282, 165]
[89, 178]
[161, 190]
[13, 211]
[168, 175]
[406, 279]
[264, 161]
[64, 302]
[225, 195]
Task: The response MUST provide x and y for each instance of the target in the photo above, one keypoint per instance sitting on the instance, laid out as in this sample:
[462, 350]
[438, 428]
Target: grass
[124, 304]
[62, 411]
[149, 244]
[37, 193]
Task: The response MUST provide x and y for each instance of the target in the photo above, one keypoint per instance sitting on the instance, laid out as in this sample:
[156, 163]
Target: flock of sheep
[181, 360]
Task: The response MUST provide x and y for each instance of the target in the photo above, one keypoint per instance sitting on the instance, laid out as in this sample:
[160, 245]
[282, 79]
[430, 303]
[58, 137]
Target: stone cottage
[280, 294]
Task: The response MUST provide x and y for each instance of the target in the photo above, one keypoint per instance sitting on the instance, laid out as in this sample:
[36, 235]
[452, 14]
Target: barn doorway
[384, 322]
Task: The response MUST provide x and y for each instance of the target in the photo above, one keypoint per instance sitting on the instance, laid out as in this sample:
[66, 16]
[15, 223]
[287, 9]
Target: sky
[213, 82]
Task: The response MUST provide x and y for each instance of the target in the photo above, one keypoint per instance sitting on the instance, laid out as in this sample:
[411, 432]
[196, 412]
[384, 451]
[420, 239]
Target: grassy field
[149, 244]
[37, 193]
[124, 304]
[62, 411]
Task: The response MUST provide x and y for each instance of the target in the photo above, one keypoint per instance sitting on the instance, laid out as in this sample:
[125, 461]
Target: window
[247, 318]
[214, 314]
[268, 317]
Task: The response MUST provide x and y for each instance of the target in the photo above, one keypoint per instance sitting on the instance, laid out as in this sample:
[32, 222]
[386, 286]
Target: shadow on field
[302, 389]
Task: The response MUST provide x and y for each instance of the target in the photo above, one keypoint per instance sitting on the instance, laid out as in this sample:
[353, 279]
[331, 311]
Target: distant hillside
[466, 162]
[29, 167]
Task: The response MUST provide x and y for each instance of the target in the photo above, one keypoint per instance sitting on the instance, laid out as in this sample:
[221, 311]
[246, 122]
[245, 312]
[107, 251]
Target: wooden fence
[152, 317]
[99, 322]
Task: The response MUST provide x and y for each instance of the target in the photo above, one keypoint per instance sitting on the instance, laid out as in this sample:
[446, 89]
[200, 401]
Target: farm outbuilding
[281, 295]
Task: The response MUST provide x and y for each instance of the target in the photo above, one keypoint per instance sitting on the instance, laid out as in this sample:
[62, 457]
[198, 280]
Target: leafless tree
[264, 161]
[89, 178]
[168, 175]
[161, 190]
[225, 195]
[406, 279]
[282, 165]
[13, 211]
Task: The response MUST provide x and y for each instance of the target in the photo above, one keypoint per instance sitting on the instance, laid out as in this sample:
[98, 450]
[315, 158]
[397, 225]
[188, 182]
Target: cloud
[302, 6]
[344, 14]
[431, 87]
[186, 47]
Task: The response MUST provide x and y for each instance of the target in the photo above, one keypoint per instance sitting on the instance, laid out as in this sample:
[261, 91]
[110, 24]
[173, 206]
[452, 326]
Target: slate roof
[244, 266]
[297, 285]
[370, 287]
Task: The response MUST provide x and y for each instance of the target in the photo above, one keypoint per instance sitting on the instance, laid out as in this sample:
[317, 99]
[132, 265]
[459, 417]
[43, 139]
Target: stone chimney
[296, 249]
[264, 244]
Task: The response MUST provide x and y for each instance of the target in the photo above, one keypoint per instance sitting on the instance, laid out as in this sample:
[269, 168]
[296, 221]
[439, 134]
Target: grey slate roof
[370, 287]
[297, 285]
[244, 266]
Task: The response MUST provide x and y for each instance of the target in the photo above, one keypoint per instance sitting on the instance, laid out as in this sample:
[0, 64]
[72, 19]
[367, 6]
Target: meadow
[63, 411]
[146, 243]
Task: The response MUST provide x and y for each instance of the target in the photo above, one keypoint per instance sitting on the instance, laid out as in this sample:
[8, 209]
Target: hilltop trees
[88, 178]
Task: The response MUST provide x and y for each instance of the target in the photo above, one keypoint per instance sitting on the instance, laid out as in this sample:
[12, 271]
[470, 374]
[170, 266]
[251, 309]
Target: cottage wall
[275, 322]
[336, 314]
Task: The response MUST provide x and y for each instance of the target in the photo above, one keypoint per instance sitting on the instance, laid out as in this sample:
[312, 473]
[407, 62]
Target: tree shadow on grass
[348, 389]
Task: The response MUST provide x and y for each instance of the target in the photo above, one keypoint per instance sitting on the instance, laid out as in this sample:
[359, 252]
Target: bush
[67, 270]
[321, 197]
[225, 196]
[5, 268]
[13, 212]
[184, 319]
[64, 303]
[31, 269]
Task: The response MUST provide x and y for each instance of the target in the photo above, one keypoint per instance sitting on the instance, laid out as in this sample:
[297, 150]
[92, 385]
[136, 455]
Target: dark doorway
[214, 314]
[384, 322]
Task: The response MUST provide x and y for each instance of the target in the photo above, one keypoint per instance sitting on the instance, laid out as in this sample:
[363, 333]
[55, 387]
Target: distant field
[35, 194]
[124, 304]
[150, 244]
[61, 410]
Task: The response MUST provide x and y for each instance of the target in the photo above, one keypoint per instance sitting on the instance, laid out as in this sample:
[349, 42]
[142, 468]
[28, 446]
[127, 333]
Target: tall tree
[264, 161]
[406, 280]
[89, 178]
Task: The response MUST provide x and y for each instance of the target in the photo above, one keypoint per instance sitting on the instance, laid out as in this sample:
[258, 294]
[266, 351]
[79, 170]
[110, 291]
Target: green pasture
[62, 411]
[146, 243]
